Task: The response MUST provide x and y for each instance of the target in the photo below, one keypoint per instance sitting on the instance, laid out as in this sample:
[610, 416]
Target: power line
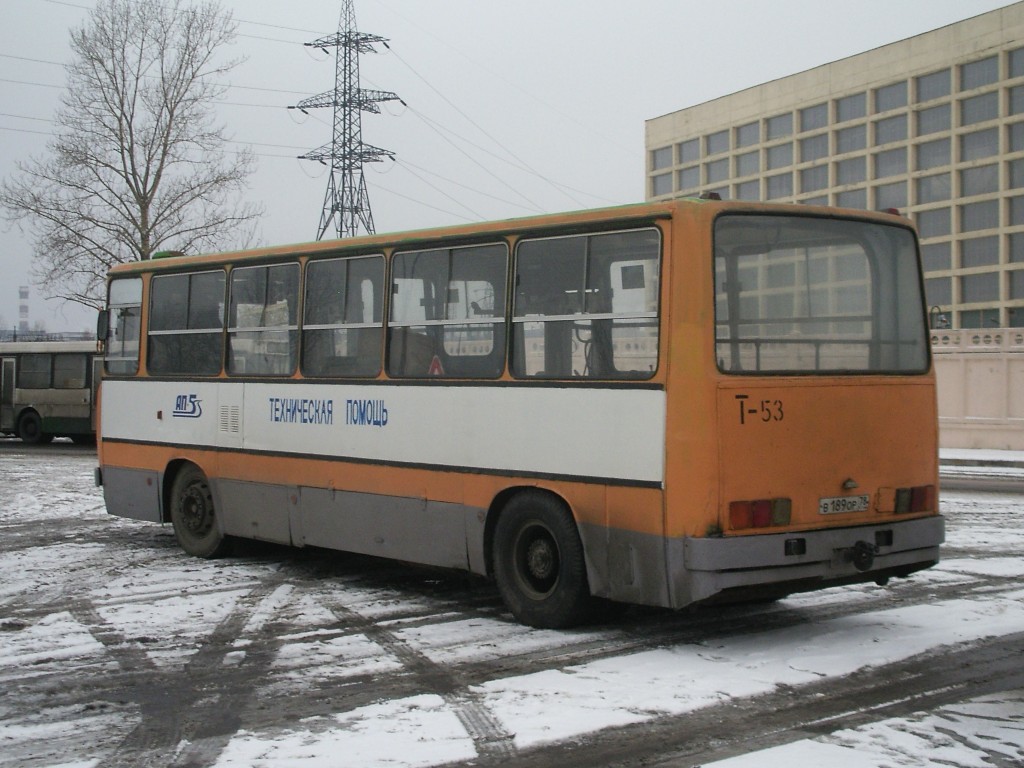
[25, 82]
[70, 5]
[476, 125]
[240, 21]
[26, 58]
[442, 192]
[420, 201]
[499, 76]
[533, 206]
[26, 117]
[25, 130]
[506, 156]
[61, 64]
[412, 168]
[409, 166]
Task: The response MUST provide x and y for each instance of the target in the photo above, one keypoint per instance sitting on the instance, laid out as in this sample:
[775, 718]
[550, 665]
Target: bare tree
[138, 163]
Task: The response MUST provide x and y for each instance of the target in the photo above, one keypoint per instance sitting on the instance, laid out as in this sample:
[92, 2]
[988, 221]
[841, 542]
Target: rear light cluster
[920, 498]
[760, 513]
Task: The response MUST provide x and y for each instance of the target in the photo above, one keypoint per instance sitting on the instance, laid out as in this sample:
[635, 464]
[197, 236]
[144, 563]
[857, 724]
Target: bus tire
[193, 515]
[539, 564]
[30, 429]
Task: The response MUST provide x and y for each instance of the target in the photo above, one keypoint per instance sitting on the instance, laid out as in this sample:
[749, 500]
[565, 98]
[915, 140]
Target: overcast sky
[514, 106]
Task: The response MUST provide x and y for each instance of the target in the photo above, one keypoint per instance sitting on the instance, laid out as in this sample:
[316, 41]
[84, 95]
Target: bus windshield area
[801, 294]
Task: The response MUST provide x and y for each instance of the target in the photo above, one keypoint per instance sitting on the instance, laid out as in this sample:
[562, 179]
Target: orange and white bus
[658, 404]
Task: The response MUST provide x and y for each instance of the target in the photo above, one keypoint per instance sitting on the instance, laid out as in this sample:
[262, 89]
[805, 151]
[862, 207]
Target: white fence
[981, 388]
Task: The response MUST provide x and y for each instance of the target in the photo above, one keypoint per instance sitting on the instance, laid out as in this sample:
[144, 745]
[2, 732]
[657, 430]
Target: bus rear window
[814, 295]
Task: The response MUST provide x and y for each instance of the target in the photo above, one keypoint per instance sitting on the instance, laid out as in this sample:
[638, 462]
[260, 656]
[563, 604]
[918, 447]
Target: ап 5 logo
[188, 407]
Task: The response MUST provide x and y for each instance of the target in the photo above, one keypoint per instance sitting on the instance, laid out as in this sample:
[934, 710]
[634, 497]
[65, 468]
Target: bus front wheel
[193, 515]
[539, 564]
[30, 429]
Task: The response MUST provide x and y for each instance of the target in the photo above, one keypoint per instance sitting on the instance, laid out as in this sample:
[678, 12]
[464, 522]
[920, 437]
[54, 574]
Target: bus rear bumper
[702, 569]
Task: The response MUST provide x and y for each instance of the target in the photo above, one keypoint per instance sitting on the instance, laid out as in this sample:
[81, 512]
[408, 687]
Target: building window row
[926, 88]
[979, 288]
[932, 153]
[923, 187]
[945, 145]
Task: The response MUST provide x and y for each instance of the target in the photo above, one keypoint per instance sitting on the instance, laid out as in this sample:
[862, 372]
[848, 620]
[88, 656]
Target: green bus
[48, 389]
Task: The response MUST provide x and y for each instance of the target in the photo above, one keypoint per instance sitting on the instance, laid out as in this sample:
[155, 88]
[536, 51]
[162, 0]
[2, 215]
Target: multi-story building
[932, 125]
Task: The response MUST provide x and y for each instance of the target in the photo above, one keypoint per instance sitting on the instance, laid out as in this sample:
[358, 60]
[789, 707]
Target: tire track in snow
[189, 715]
[491, 739]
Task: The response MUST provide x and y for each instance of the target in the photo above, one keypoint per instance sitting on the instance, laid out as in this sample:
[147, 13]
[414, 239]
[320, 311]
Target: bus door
[7, 394]
[97, 372]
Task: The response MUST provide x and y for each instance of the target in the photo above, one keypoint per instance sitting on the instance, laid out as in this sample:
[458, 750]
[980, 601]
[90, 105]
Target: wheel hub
[194, 511]
[540, 559]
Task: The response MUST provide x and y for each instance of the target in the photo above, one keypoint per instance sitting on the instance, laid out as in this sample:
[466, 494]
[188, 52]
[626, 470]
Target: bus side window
[69, 371]
[448, 312]
[587, 306]
[343, 317]
[263, 331]
[410, 352]
[35, 371]
[186, 323]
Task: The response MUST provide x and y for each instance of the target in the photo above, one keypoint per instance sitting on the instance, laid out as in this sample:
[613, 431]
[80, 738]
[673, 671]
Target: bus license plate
[837, 505]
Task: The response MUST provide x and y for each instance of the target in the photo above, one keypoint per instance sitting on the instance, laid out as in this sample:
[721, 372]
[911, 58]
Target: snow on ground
[558, 705]
[673, 681]
[981, 456]
[961, 735]
[413, 733]
[169, 605]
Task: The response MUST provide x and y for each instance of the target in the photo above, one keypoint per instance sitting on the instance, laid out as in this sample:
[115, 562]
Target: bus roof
[22, 347]
[622, 214]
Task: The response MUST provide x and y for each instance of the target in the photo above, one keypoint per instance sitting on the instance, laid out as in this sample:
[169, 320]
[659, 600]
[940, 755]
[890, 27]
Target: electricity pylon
[346, 202]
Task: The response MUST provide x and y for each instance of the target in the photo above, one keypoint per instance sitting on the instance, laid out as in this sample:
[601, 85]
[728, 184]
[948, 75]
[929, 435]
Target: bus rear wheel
[539, 564]
[30, 429]
[193, 515]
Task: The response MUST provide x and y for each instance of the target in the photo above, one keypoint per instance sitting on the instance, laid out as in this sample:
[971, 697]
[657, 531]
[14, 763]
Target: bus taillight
[759, 513]
[920, 498]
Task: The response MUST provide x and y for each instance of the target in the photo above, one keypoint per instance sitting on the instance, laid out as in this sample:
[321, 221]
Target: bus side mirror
[103, 325]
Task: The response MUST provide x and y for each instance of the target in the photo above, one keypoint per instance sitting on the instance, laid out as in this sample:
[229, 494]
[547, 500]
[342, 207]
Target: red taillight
[760, 513]
[762, 516]
[920, 498]
[917, 497]
[740, 514]
[933, 498]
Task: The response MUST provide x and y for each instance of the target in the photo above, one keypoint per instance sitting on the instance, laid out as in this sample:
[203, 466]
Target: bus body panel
[63, 411]
[132, 492]
[412, 529]
[298, 464]
[626, 565]
[809, 443]
[543, 431]
[433, 527]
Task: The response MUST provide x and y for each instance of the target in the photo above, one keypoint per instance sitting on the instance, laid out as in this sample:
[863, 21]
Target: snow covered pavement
[117, 649]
